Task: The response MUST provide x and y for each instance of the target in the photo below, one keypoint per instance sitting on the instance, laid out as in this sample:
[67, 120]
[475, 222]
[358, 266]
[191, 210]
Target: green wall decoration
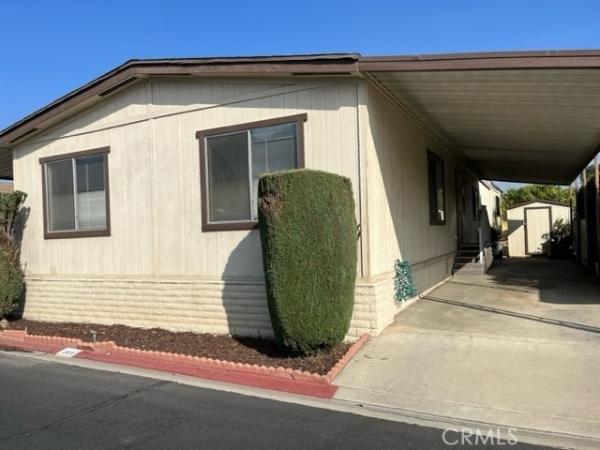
[404, 286]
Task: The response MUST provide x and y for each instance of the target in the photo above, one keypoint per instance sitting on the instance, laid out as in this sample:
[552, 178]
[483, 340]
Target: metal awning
[529, 117]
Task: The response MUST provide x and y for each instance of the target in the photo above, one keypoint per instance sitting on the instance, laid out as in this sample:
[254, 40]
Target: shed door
[537, 226]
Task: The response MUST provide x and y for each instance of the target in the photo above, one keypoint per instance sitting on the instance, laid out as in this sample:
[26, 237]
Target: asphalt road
[44, 405]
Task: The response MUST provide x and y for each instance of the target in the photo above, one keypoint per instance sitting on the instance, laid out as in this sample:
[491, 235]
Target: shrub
[308, 232]
[559, 241]
[10, 209]
[11, 275]
[11, 278]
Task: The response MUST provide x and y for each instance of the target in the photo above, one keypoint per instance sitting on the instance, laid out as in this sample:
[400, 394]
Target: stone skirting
[237, 307]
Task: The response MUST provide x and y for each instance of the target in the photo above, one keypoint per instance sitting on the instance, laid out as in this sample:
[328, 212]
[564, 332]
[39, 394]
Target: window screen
[76, 195]
[234, 163]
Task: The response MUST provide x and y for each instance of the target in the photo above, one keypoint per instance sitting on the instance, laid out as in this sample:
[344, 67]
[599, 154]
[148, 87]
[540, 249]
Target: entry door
[460, 206]
[538, 223]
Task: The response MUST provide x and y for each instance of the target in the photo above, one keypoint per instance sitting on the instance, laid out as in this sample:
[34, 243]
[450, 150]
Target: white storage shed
[530, 223]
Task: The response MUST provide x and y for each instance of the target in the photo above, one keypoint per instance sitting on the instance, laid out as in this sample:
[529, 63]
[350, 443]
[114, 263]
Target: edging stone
[281, 378]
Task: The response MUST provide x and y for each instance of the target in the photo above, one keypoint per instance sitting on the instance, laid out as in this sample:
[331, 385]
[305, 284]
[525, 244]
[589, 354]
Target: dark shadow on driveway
[556, 281]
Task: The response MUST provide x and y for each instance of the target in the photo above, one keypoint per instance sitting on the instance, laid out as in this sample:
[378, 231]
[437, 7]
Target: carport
[520, 346]
[531, 117]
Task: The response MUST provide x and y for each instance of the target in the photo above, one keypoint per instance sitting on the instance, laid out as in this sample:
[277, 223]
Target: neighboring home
[491, 197]
[529, 225]
[6, 186]
[142, 183]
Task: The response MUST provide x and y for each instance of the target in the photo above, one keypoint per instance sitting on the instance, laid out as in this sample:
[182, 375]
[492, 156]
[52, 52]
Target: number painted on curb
[68, 352]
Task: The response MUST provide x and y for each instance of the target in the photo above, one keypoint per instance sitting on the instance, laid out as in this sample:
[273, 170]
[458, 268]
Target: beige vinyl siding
[159, 269]
[396, 199]
[516, 228]
[154, 172]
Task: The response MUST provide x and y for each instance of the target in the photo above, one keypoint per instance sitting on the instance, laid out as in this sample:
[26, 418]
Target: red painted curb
[212, 373]
[274, 378]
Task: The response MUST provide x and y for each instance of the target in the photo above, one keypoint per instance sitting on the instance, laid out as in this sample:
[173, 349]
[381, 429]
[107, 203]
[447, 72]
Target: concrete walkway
[519, 347]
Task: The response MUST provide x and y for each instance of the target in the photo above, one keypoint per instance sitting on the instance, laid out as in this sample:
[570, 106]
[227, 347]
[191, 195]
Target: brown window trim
[433, 220]
[83, 233]
[298, 119]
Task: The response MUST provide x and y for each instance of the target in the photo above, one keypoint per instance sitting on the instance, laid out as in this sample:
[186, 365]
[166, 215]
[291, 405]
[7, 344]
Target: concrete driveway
[519, 347]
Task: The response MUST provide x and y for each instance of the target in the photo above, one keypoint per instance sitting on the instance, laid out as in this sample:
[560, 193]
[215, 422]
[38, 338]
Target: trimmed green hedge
[309, 236]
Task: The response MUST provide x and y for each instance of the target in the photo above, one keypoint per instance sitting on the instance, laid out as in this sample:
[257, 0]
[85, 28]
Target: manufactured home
[490, 196]
[142, 183]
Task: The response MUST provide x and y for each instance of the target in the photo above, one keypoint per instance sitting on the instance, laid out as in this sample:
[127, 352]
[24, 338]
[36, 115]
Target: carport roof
[517, 116]
[512, 116]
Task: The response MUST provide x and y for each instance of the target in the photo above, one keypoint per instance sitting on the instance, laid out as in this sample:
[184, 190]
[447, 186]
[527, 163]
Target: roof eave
[327, 64]
[339, 64]
[548, 202]
[483, 61]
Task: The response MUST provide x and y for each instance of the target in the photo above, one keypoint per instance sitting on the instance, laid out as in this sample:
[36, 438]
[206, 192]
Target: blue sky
[48, 48]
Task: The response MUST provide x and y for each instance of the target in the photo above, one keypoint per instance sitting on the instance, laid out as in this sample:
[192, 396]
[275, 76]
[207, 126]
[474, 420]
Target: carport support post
[597, 182]
[571, 215]
[586, 259]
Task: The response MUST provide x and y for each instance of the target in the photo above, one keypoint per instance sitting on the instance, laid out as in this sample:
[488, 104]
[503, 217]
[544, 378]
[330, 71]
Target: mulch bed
[226, 348]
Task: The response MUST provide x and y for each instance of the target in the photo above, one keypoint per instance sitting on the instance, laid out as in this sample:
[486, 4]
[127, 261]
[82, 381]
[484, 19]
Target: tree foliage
[533, 192]
[11, 275]
[10, 208]
[308, 233]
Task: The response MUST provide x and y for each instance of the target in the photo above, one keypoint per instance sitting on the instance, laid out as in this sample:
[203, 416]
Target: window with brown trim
[233, 158]
[76, 195]
[437, 189]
